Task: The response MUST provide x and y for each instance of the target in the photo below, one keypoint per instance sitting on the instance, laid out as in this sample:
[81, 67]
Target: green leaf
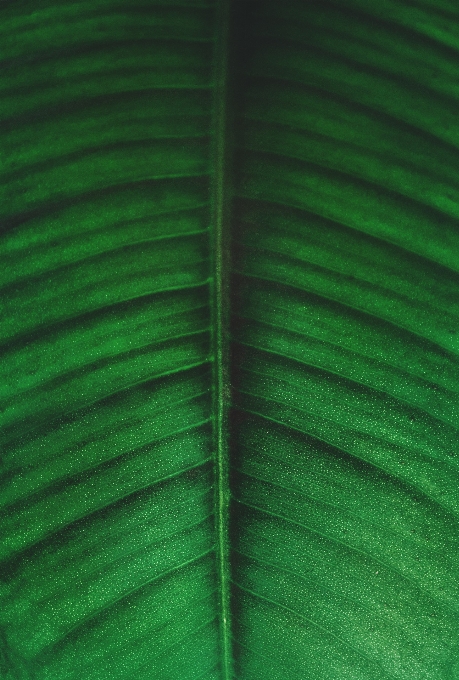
[229, 337]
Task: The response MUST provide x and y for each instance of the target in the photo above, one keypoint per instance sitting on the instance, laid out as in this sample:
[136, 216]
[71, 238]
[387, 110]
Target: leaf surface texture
[309, 373]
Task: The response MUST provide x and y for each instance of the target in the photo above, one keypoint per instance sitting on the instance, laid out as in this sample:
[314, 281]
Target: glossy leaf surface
[230, 270]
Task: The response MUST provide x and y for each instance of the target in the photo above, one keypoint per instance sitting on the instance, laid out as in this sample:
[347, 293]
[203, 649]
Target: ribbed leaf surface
[346, 320]
[107, 497]
[319, 142]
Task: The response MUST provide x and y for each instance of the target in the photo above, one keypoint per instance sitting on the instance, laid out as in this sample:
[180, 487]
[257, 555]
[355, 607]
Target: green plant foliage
[229, 340]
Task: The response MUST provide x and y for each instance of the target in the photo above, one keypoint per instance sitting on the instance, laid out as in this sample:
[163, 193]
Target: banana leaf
[229, 340]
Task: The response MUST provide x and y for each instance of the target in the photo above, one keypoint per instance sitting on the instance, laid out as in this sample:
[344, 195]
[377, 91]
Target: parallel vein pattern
[114, 340]
[107, 549]
[346, 288]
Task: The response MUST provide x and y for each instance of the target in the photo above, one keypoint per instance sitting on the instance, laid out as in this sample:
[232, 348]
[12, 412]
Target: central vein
[220, 323]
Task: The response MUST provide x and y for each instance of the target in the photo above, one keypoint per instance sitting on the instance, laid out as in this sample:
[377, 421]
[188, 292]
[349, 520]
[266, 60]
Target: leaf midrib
[220, 322]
